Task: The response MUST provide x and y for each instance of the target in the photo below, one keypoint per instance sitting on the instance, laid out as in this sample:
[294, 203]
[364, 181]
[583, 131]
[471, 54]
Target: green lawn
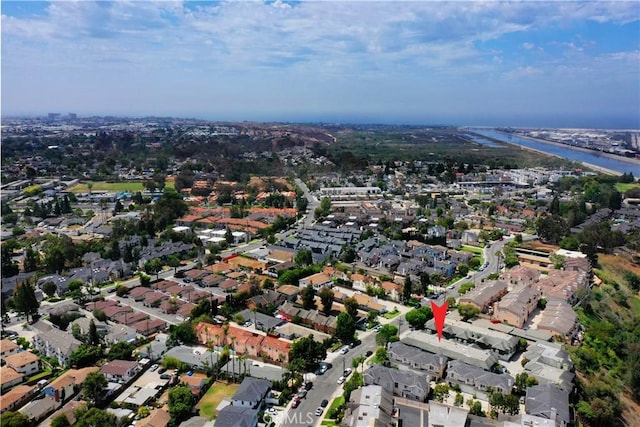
[337, 402]
[213, 397]
[125, 186]
[391, 314]
[622, 187]
[472, 249]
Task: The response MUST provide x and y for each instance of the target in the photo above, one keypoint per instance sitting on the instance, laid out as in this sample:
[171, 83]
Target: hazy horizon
[521, 64]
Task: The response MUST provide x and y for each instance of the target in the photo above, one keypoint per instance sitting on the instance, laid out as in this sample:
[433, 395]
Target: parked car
[319, 411]
[271, 411]
[341, 380]
[368, 353]
[165, 377]
[344, 350]
[296, 401]
[308, 385]
[347, 372]
[302, 394]
[153, 367]
[324, 403]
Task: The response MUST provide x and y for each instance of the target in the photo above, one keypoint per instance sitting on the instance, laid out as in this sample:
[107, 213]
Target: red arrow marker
[439, 313]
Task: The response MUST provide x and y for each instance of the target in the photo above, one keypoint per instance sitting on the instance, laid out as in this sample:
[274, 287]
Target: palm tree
[243, 359]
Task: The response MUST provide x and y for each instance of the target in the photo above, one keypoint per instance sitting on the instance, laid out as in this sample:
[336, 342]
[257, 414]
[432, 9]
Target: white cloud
[310, 46]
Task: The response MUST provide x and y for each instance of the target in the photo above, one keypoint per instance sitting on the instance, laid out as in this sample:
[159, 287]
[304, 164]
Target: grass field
[391, 314]
[125, 186]
[622, 187]
[213, 397]
[472, 249]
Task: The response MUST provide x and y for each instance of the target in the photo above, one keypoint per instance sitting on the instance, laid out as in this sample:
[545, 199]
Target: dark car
[308, 385]
[165, 377]
[368, 353]
[324, 403]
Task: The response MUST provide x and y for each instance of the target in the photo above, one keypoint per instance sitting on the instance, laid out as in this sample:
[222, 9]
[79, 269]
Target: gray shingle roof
[542, 400]
[252, 390]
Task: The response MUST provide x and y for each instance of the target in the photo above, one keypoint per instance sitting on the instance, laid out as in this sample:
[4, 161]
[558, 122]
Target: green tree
[168, 207]
[180, 403]
[9, 267]
[345, 327]
[387, 334]
[356, 381]
[92, 337]
[380, 357]
[31, 260]
[441, 392]
[85, 355]
[183, 333]
[308, 298]
[95, 417]
[122, 350]
[309, 351]
[476, 409]
[326, 297]
[24, 300]
[468, 311]
[418, 317]
[173, 261]
[49, 288]
[93, 386]
[407, 289]
[459, 400]
[303, 257]
[15, 419]
[552, 228]
[60, 421]
[351, 305]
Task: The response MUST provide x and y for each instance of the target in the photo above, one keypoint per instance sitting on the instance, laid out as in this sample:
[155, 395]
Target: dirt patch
[537, 245]
[631, 411]
[618, 264]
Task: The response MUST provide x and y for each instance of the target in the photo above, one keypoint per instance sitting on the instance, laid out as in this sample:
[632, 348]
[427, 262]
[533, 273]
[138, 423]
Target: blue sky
[556, 64]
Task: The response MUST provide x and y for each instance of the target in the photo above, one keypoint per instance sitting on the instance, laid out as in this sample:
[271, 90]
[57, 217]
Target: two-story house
[53, 342]
[25, 362]
[406, 384]
[251, 393]
[417, 359]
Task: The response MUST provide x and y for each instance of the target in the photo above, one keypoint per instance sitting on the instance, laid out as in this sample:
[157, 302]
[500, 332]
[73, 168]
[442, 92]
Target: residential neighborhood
[202, 300]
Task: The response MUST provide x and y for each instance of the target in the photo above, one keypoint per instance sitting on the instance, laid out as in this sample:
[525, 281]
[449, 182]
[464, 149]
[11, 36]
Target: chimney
[553, 414]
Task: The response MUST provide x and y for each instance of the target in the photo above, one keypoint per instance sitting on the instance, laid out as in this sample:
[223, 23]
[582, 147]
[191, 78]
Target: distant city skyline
[536, 64]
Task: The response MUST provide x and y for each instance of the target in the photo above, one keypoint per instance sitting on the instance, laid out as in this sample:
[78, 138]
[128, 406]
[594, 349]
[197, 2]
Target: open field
[216, 393]
[622, 187]
[125, 186]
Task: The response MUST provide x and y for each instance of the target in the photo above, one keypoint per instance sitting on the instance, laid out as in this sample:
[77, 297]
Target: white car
[319, 411]
[344, 350]
[341, 380]
[271, 411]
